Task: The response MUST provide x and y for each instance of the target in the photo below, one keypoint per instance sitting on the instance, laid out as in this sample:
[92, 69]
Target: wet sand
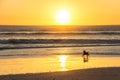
[42, 64]
[108, 73]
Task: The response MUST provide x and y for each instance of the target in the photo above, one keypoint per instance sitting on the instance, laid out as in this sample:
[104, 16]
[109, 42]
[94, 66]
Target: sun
[63, 16]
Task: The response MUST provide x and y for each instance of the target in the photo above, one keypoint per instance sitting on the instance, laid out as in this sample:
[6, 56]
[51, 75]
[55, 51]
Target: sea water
[30, 49]
[96, 40]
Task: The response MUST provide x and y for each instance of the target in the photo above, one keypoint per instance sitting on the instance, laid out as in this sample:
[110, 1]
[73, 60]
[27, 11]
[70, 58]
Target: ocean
[20, 41]
[37, 49]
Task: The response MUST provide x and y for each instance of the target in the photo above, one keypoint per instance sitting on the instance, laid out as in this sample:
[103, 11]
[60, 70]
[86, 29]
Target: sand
[108, 73]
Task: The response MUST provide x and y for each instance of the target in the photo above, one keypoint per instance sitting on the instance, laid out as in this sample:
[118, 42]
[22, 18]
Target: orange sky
[42, 12]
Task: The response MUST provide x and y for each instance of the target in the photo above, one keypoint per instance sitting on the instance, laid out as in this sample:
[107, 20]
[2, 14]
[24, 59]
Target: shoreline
[93, 55]
[105, 73]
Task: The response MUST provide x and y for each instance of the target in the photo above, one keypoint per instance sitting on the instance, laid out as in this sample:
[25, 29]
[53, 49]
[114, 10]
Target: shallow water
[97, 50]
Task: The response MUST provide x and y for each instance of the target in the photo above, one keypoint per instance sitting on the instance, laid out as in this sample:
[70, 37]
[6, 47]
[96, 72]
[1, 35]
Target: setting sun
[63, 16]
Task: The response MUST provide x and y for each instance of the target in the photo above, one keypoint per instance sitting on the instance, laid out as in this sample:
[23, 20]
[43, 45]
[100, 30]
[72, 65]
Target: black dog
[85, 56]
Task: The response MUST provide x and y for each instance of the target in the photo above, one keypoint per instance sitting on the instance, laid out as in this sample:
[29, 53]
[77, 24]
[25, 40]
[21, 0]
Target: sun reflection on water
[62, 60]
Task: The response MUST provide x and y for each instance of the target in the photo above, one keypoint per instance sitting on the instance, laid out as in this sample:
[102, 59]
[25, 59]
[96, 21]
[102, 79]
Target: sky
[42, 12]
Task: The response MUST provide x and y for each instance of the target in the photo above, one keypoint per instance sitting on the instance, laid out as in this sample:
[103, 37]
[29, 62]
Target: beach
[68, 64]
[37, 54]
[111, 73]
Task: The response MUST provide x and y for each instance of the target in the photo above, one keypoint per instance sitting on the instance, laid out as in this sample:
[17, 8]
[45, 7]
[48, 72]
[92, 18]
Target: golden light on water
[54, 63]
[63, 62]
